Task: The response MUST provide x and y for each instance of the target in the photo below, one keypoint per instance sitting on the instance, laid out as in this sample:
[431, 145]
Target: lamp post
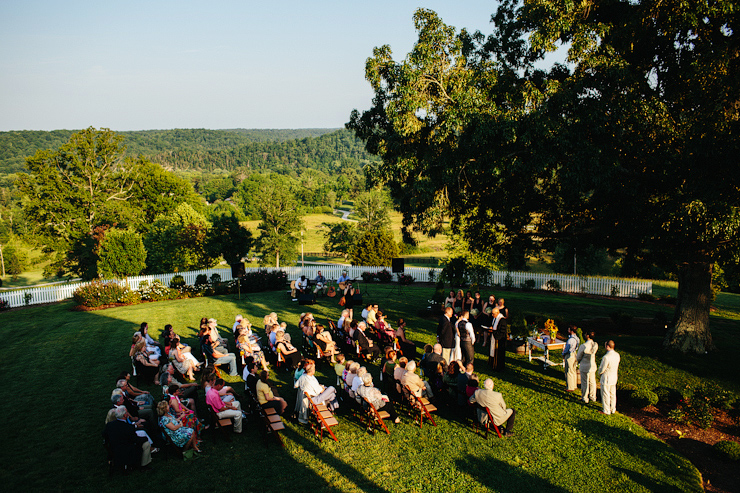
[302, 251]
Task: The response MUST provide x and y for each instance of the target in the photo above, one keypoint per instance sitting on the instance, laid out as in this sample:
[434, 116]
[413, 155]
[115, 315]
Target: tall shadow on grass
[655, 452]
[503, 478]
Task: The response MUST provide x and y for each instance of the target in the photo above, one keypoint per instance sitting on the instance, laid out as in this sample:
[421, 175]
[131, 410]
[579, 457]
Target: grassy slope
[60, 365]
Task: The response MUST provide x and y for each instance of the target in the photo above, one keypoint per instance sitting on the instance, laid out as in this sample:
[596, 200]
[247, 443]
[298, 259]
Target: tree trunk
[690, 330]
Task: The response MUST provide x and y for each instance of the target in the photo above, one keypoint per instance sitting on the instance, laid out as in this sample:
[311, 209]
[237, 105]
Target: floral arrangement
[551, 328]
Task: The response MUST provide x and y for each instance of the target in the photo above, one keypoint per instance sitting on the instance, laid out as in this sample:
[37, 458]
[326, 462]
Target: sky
[131, 65]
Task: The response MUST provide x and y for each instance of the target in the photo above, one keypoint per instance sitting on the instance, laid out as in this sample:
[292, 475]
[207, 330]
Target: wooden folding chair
[322, 419]
[421, 406]
[488, 425]
[375, 417]
[220, 424]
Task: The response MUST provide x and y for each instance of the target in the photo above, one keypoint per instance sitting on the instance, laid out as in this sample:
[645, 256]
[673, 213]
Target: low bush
[624, 391]
[177, 282]
[264, 280]
[667, 395]
[727, 450]
[691, 411]
[384, 276]
[527, 285]
[646, 297]
[714, 395]
[4, 305]
[553, 285]
[368, 277]
[643, 398]
[98, 294]
[156, 291]
[405, 279]
[201, 281]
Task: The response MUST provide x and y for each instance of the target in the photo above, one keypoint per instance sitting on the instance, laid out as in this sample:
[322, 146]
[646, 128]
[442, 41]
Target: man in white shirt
[236, 323]
[319, 393]
[467, 338]
[608, 377]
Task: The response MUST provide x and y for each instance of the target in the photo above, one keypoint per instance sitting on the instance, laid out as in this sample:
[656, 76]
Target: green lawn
[61, 365]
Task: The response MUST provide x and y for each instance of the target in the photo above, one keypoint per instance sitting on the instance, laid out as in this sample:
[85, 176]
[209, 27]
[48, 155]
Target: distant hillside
[15, 146]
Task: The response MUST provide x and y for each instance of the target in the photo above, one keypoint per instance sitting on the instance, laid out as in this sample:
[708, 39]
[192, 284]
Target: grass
[59, 368]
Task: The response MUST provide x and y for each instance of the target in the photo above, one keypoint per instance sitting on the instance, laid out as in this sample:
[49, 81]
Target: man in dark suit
[430, 362]
[366, 345]
[127, 447]
[446, 334]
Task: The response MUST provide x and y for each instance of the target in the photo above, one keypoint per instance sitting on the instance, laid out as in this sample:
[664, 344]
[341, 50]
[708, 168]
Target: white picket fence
[604, 286]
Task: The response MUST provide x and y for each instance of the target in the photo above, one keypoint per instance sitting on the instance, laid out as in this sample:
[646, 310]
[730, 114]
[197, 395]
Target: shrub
[527, 285]
[579, 333]
[368, 276]
[130, 297]
[201, 281]
[553, 285]
[728, 450]
[4, 305]
[405, 279]
[263, 280]
[624, 391]
[622, 319]
[177, 282]
[384, 276]
[519, 328]
[98, 294]
[714, 395]
[157, 291]
[439, 293]
[693, 411]
[615, 290]
[646, 297]
[508, 282]
[667, 395]
[669, 300]
[643, 398]
[215, 278]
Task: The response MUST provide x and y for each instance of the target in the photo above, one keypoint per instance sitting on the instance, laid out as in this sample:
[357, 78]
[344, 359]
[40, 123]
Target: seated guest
[301, 285]
[494, 401]
[142, 356]
[400, 370]
[357, 381]
[371, 315]
[217, 357]
[320, 282]
[388, 368]
[408, 348]
[186, 415]
[342, 319]
[342, 281]
[289, 352]
[216, 339]
[237, 322]
[245, 343]
[319, 393]
[127, 448]
[251, 377]
[189, 390]
[186, 366]
[376, 398]
[325, 342]
[152, 345]
[265, 396]
[366, 345]
[339, 367]
[436, 378]
[450, 380]
[384, 329]
[462, 383]
[352, 329]
[226, 393]
[351, 374]
[471, 387]
[181, 435]
[416, 385]
[224, 409]
[270, 320]
[365, 311]
[432, 360]
[133, 392]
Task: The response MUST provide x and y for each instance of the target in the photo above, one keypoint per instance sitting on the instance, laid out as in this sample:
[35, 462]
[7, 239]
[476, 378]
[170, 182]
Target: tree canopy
[634, 147]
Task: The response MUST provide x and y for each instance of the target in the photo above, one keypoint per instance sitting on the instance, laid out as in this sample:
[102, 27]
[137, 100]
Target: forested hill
[191, 148]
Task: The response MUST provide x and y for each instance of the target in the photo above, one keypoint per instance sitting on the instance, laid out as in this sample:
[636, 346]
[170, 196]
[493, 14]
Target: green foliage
[405, 279]
[553, 285]
[280, 223]
[340, 238]
[16, 260]
[98, 293]
[121, 254]
[643, 398]
[179, 241]
[156, 291]
[384, 276]
[590, 260]
[264, 280]
[527, 285]
[439, 292]
[177, 282]
[646, 297]
[372, 210]
[667, 395]
[622, 319]
[228, 238]
[508, 282]
[727, 450]
[374, 248]
[716, 396]
[518, 327]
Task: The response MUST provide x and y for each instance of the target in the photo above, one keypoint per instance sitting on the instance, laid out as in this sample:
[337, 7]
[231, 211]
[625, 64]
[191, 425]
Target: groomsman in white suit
[608, 378]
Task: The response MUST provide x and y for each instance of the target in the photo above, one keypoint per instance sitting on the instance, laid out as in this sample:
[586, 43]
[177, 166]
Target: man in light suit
[608, 378]
[494, 401]
[586, 357]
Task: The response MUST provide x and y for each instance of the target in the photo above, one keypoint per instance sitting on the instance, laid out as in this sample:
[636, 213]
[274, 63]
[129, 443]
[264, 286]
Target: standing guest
[569, 359]
[586, 357]
[494, 401]
[126, 446]
[467, 338]
[446, 333]
[608, 378]
[265, 396]
[502, 308]
[499, 331]
[408, 348]
[320, 281]
[376, 398]
[349, 298]
[450, 300]
[476, 311]
[224, 409]
[457, 305]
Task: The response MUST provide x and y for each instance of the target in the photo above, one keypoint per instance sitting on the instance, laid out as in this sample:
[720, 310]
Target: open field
[60, 367]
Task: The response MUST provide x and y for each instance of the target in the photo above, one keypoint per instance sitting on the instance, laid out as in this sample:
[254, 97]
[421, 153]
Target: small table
[532, 342]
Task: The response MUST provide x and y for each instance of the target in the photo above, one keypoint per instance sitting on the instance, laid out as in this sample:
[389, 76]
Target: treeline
[15, 146]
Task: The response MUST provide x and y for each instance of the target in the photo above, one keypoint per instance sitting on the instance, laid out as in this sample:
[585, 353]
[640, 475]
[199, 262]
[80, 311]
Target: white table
[534, 343]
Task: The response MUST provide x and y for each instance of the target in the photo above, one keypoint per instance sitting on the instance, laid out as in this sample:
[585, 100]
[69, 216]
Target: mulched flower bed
[695, 444]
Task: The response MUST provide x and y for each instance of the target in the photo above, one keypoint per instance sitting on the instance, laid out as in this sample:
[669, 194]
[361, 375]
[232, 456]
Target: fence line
[603, 286]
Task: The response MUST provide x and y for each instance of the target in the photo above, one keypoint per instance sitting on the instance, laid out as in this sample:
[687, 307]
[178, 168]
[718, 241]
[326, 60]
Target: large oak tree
[634, 147]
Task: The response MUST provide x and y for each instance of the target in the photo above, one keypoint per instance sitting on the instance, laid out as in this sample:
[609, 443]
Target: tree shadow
[502, 477]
